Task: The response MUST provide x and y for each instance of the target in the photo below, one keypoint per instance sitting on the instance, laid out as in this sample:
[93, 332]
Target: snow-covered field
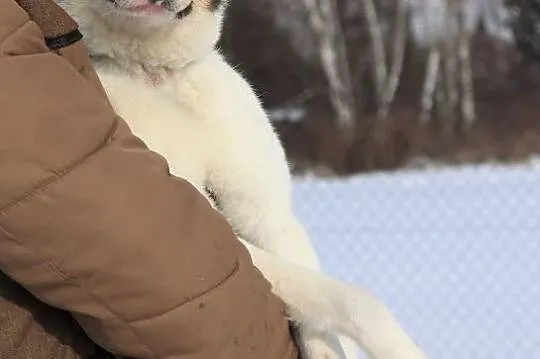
[455, 253]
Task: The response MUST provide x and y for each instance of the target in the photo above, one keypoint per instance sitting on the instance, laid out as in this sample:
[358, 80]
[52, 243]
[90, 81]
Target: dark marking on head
[214, 5]
[187, 10]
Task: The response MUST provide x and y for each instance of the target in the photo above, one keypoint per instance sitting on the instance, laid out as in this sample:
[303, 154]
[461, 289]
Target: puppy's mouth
[154, 7]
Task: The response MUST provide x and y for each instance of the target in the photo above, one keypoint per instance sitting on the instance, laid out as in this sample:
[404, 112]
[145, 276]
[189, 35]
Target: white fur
[206, 121]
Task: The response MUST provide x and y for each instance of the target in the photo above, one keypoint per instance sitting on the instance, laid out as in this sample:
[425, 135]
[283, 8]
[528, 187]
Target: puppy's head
[143, 28]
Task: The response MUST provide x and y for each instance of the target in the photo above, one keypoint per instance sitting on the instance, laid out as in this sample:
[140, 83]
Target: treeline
[357, 85]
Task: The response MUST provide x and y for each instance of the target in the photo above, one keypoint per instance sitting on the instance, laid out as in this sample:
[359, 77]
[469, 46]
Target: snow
[453, 252]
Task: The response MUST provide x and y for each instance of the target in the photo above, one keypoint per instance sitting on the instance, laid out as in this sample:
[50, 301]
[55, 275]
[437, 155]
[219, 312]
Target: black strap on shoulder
[58, 42]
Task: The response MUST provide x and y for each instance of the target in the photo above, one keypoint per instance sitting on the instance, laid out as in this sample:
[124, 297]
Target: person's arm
[92, 222]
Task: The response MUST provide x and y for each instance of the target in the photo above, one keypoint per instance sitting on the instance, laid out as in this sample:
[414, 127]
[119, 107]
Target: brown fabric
[49, 17]
[30, 329]
[93, 223]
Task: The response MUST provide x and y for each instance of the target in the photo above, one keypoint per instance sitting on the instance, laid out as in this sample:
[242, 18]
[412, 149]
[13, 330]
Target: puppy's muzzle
[168, 5]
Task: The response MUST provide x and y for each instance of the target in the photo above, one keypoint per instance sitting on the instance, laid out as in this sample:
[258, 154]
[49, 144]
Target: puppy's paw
[400, 352]
[369, 322]
[318, 345]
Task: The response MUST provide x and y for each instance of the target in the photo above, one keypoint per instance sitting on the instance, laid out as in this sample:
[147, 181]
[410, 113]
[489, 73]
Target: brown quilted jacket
[92, 222]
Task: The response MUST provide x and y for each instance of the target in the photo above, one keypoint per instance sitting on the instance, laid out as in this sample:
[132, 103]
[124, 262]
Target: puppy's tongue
[146, 6]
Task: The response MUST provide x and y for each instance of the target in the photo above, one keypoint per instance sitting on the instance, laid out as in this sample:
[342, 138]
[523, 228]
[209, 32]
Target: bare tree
[449, 72]
[386, 75]
[451, 79]
[377, 47]
[450, 84]
[431, 79]
[325, 21]
[398, 56]
[466, 76]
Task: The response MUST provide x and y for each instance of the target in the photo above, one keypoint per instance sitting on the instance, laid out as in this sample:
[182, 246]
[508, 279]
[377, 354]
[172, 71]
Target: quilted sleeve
[92, 222]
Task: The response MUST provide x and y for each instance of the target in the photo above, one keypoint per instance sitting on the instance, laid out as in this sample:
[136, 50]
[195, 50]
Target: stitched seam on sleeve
[59, 174]
[197, 296]
[62, 275]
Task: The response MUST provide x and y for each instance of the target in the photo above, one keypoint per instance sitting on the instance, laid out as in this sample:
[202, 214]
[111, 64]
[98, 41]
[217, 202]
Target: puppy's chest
[163, 119]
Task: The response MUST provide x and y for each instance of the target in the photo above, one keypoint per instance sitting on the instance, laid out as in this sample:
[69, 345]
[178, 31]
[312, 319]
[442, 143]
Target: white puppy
[158, 64]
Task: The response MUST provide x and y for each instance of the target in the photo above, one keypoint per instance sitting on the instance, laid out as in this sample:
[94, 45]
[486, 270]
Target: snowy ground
[455, 253]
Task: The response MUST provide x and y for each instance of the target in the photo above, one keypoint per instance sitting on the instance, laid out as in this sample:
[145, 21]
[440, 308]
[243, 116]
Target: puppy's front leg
[323, 304]
[308, 297]
[248, 172]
